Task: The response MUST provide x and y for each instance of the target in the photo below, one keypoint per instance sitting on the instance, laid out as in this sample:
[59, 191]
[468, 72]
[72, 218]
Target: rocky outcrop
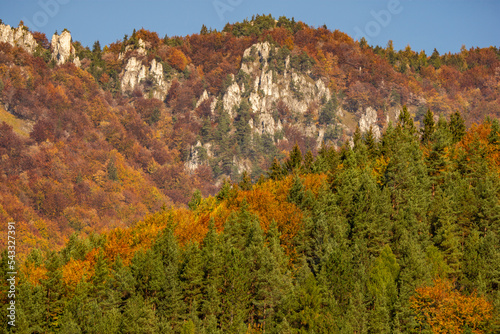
[266, 87]
[232, 97]
[369, 120]
[202, 98]
[134, 73]
[62, 49]
[19, 36]
[198, 154]
[139, 51]
[149, 78]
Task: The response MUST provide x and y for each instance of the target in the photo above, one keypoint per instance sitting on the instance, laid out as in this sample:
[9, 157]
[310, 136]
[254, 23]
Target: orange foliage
[282, 36]
[118, 243]
[41, 39]
[75, 271]
[269, 202]
[34, 273]
[149, 37]
[446, 310]
[177, 59]
[189, 227]
[476, 140]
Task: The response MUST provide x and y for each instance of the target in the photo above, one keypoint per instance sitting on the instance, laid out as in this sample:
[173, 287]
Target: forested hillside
[270, 177]
[98, 138]
[395, 236]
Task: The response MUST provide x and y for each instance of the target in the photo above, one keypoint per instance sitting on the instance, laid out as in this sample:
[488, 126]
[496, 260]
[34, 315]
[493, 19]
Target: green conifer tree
[429, 126]
[457, 126]
[295, 159]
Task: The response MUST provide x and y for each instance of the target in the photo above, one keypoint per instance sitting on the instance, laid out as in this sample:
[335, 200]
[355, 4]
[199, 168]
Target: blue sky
[423, 24]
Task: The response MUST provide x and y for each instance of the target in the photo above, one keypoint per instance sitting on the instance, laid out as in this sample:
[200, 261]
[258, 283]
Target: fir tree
[295, 159]
[457, 126]
[246, 181]
[276, 172]
[191, 274]
[429, 126]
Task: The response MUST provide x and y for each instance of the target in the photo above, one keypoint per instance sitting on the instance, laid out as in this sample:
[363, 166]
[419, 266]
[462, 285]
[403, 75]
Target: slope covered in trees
[86, 146]
[400, 235]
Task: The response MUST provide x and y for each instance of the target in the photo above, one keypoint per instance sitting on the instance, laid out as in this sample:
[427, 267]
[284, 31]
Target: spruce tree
[445, 232]
[53, 286]
[139, 317]
[212, 249]
[429, 126]
[246, 181]
[191, 274]
[295, 159]
[371, 144]
[457, 126]
[276, 172]
[166, 283]
[382, 288]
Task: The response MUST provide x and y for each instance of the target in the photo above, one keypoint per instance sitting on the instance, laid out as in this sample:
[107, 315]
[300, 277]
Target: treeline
[399, 235]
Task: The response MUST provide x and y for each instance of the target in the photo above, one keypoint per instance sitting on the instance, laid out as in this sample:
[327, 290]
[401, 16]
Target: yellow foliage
[33, 273]
[379, 168]
[446, 310]
[75, 271]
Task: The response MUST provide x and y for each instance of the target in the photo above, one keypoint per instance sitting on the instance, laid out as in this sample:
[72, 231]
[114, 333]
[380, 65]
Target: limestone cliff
[62, 49]
[266, 86]
[19, 36]
[139, 73]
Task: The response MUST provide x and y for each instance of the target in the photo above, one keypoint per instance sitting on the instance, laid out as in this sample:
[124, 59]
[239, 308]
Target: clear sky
[423, 24]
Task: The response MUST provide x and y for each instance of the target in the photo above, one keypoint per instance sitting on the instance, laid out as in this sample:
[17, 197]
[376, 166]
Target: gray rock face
[19, 36]
[133, 73]
[232, 98]
[136, 73]
[369, 120]
[268, 87]
[62, 49]
[195, 159]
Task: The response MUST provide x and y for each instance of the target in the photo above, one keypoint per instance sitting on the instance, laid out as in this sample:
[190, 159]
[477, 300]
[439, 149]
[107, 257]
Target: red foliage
[150, 38]
[41, 39]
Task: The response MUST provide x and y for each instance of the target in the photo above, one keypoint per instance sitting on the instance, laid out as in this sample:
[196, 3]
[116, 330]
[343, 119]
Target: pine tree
[405, 122]
[369, 141]
[31, 311]
[171, 307]
[297, 193]
[307, 300]
[203, 30]
[191, 274]
[445, 232]
[100, 277]
[457, 126]
[212, 250]
[429, 126]
[270, 279]
[295, 159]
[382, 288]
[53, 286]
[356, 137]
[276, 172]
[494, 136]
[225, 190]
[437, 160]
[195, 200]
[139, 316]
[246, 181]
[308, 166]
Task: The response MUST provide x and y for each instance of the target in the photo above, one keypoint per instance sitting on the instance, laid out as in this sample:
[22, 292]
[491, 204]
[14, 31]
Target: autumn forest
[271, 177]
